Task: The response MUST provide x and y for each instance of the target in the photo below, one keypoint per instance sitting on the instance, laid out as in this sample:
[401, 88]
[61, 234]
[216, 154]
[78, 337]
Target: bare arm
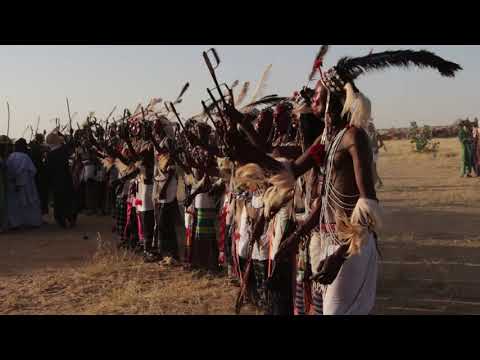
[361, 153]
[314, 156]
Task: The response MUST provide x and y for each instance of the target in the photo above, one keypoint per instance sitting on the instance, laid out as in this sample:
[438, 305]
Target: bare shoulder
[356, 137]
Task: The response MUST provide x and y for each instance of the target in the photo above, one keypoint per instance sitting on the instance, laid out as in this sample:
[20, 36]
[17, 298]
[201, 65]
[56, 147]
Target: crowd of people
[52, 172]
[278, 194]
[469, 136]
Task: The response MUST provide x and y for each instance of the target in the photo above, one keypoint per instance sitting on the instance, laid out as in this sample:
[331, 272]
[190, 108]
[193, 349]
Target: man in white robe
[22, 196]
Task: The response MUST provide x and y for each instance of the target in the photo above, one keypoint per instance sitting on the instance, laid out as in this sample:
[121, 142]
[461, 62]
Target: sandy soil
[430, 249]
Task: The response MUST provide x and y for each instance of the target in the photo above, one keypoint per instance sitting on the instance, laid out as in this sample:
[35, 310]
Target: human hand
[329, 268]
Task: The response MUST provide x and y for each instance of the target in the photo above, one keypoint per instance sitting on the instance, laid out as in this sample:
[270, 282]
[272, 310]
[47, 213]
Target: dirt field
[429, 247]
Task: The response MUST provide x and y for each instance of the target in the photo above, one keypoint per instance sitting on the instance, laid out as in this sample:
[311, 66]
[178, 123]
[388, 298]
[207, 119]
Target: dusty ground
[430, 246]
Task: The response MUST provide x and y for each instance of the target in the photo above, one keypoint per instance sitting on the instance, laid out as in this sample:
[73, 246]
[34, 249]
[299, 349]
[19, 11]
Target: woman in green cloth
[465, 142]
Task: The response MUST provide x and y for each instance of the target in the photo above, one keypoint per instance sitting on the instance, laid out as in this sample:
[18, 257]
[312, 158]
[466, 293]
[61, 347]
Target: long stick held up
[38, 125]
[69, 115]
[8, 121]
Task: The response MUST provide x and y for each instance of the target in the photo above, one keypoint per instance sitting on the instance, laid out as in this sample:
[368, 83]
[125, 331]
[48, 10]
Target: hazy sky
[36, 79]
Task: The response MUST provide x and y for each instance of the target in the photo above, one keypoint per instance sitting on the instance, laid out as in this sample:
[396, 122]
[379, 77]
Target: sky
[35, 80]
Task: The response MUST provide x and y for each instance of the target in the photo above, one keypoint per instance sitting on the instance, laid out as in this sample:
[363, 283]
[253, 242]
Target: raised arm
[314, 156]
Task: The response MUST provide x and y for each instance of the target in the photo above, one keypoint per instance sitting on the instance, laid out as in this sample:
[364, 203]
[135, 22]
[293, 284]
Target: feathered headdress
[340, 79]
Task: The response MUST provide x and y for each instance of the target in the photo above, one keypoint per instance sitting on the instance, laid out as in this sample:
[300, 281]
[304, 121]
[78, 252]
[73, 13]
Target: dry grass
[426, 180]
[116, 282]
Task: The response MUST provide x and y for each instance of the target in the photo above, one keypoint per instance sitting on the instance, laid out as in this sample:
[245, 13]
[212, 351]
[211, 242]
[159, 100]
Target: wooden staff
[69, 115]
[38, 125]
[8, 121]
[211, 68]
[172, 107]
[111, 112]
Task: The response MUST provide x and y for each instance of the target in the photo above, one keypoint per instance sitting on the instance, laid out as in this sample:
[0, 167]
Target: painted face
[319, 99]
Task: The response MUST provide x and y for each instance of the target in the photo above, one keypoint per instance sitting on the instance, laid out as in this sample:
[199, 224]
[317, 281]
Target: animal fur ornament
[108, 163]
[275, 198]
[226, 168]
[279, 187]
[163, 161]
[124, 169]
[366, 218]
[250, 176]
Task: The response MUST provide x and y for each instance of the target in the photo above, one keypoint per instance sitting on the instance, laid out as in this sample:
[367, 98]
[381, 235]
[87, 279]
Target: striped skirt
[205, 247]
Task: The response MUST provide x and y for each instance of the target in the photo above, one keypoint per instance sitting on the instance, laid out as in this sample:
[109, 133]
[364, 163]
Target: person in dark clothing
[60, 180]
[38, 155]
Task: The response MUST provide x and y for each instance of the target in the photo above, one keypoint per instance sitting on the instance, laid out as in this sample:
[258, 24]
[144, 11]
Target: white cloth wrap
[244, 232]
[281, 220]
[260, 248]
[353, 291]
[145, 195]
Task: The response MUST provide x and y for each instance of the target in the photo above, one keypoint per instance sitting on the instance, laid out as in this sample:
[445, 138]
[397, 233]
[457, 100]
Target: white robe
[24, 204]
[354, 289]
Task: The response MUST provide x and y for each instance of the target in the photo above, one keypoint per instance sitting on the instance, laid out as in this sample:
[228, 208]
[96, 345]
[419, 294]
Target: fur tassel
[275, 198]
[163, 161]
[366, 217]
[358, 106]
[108, 163]
[368, 212]
[281, 191]
[121, 167]
[284, 180]
[354, 235]
[225, 166]
[224, 163]
[250, 176]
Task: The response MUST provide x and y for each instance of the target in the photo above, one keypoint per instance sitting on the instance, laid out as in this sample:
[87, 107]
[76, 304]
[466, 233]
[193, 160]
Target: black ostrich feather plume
[266, 100]
[351, 68]
[178, 100]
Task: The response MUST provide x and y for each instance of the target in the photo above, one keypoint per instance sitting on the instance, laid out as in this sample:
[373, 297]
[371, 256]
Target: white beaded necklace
[332, 199]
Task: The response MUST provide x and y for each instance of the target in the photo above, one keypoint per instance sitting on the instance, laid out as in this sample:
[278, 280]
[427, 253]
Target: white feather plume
[262, 85]
[358, 105]
[243, 93]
